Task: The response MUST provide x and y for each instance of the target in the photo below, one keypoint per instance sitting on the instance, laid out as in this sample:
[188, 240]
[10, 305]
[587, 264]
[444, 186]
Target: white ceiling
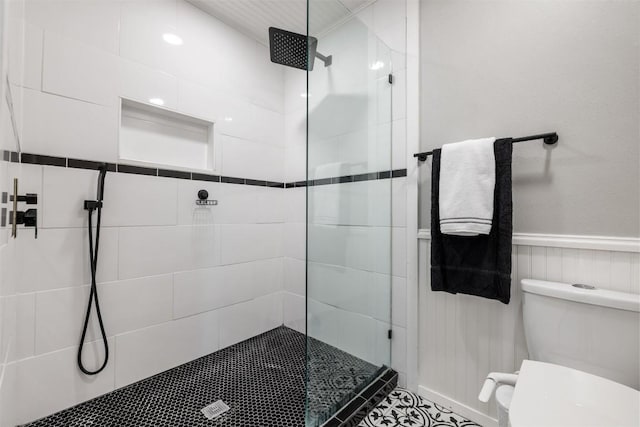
[254, 17]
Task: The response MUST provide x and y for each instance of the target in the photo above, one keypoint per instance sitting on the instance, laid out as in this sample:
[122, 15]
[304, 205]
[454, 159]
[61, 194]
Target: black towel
[476, 265]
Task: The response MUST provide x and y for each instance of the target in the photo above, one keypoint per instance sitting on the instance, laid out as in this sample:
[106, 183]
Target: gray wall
[514, 68]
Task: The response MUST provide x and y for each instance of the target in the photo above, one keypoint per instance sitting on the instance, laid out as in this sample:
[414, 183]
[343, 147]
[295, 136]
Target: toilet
[584, 346]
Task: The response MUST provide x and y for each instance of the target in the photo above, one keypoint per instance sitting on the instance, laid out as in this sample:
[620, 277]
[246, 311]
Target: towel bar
[548, 138]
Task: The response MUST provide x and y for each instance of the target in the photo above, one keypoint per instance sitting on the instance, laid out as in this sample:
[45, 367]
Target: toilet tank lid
[567, 291]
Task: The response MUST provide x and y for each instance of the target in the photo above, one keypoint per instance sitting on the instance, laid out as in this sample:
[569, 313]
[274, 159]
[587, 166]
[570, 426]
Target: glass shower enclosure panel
[349, 141]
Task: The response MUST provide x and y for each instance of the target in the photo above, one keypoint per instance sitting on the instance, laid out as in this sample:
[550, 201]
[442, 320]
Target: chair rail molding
[600, 243]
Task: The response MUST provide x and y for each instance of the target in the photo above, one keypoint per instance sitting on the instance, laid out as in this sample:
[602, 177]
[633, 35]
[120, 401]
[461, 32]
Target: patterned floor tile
[402, 408]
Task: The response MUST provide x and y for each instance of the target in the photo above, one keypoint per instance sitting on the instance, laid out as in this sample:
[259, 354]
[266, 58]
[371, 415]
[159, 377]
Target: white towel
[467, 181]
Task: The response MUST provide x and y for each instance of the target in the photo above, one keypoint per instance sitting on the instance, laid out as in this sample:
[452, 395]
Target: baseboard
[459, 408]
[598, 243]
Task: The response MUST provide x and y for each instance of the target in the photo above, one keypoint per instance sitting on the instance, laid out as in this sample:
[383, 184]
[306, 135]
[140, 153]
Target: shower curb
[361, 405]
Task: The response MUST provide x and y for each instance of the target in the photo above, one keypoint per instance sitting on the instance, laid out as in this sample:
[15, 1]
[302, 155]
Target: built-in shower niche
[161, 137]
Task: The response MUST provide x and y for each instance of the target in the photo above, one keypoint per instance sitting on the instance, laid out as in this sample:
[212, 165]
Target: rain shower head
[294, 50]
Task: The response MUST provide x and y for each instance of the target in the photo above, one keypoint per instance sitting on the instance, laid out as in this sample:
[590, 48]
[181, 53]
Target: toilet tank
[589, 329]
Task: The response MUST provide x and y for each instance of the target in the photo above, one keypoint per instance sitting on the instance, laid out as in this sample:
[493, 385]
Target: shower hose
[90, 206]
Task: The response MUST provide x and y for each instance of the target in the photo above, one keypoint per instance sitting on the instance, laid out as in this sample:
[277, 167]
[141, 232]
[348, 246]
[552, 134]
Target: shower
[295, 50]
[90, 206]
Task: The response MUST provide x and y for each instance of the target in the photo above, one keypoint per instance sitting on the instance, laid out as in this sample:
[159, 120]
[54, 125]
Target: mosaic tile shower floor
[261, 379]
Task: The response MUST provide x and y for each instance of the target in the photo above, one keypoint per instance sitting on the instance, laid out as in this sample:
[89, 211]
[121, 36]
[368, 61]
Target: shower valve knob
[29, 218]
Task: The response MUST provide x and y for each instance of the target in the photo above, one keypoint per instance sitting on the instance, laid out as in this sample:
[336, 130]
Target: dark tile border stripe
[137, 170]
[89, 164]
[359, 407]
[38, 159]
[204, 177]
[174, 174]
[232, 180]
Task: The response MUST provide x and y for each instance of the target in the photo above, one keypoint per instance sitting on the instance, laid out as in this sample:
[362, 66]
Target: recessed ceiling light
[172, 39]
[377, 65]
[157, 101]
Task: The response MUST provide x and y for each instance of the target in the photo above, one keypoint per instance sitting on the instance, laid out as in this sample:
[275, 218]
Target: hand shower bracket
[92, 205]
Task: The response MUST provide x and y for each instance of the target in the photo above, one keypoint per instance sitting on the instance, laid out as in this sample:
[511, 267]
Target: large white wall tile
[399, 144]
[92, 22]
[323, 322]
[399, 301]
[248, 159]
[131, 200]
[294, 311]
[142, 26]
[352, 290]
[295, 240]
[148, 351]
[250, 242]
[60, 258]
[59, 126]
[399, 202]
[145, 251]
[295, 199]
[25, 54]
[294, 275]
[64, 191]
[142, 83]
[207, 289]
[357, 335]
[399, 251]
[18, 326]
[209, 102]
[65, 385]
[247, 319]
[76, 70]
[61, 311]
[361, 248]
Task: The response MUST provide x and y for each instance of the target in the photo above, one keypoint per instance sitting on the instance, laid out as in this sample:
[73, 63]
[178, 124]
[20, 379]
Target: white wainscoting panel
[462, 338]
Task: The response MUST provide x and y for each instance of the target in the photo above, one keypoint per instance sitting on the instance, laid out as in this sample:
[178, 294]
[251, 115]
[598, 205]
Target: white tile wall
[95, 23]
[146, 352]
[250, 318]
[74, 59]
[249, 242]
[208, 289]
[59, 312]
[256, 160]
[65, 385]
[59, 126]
[26, 50]
[60, 258]
[146, 251]
[142, 83]
[79, 71]
[18, 313]
[208, 277]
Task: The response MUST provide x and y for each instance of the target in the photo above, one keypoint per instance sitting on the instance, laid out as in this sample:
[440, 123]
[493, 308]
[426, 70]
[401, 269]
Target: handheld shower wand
[90, 206]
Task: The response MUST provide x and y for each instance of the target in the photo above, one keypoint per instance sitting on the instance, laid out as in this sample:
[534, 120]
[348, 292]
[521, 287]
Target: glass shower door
[348, 214]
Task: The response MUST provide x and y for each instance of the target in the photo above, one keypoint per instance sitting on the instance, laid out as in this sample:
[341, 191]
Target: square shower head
[292, 49]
